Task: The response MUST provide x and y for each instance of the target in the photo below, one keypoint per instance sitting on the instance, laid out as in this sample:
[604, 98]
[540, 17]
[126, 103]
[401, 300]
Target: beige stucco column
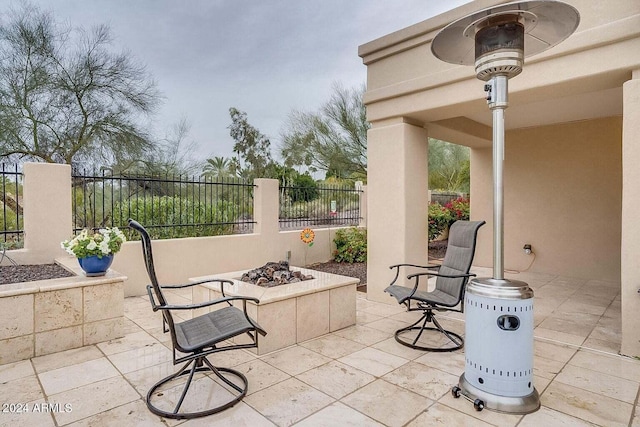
[47, 211]
[397, 201]
[630, 260]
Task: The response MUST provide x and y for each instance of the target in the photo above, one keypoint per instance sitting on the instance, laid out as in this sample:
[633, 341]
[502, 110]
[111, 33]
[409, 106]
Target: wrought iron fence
[169, 206]
[319, 206]
[12, 230]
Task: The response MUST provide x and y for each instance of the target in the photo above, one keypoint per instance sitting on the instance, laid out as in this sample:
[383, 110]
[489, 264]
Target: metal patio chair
[197, 338]
[452, 277]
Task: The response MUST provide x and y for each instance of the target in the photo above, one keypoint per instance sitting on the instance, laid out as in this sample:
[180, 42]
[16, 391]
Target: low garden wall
[47, 316]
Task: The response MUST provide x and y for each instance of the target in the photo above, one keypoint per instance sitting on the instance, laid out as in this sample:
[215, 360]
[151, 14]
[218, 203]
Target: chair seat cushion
[211, 328]
[401, 293]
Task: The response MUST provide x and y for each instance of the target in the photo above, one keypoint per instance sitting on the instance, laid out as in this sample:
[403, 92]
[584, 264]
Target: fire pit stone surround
[294, 312]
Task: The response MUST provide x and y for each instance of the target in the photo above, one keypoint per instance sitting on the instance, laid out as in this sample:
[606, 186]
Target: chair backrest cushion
[459, 257]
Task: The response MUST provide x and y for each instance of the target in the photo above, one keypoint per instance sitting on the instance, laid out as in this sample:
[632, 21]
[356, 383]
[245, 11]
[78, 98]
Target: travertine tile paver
[373, 361]
[139, 358]
[336, 379]
[622, 367]
[391, 346]
[387, 403]
[93, 399]
[28, 419]
[128, 342]
[289, 401]
[431, 383]
[355, 376]
[362, 334]
[491, 417]
[20, 390]
[295, 360]
[546, 368]
[74, 376]
[129, 414]
[548, 417]
[338, 414]
[333, 346]
[261, 375]
[240, 415]
[622, 389]
[441, 415]
[15, 370]
[452, 363]
[588, 406]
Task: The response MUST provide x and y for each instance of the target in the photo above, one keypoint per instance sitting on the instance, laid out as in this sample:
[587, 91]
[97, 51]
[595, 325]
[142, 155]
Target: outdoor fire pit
[294, 312]
[274, 274]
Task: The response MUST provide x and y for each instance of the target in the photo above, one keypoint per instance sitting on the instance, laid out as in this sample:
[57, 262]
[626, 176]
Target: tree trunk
[11, 202]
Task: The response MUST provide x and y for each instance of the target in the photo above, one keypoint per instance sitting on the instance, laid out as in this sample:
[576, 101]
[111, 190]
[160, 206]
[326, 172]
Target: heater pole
[498, 103]
[499, 312]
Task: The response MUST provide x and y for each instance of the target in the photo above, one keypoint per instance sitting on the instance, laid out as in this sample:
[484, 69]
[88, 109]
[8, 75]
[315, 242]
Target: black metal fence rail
[319, 206]
[170, 206]
[12, 231]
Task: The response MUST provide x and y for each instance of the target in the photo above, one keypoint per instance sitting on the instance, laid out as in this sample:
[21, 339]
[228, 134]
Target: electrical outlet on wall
[527, 249]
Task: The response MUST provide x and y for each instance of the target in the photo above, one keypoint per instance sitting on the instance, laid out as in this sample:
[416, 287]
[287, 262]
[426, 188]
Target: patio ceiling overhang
[581, 79]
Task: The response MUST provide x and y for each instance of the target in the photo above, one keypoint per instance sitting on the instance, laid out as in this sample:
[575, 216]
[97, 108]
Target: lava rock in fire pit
[273, 274]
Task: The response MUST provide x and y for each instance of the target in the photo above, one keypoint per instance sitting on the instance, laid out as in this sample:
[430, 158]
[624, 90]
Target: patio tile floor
[358, 376]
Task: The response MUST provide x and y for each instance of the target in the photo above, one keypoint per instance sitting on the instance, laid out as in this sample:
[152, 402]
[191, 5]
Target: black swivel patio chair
[452, 277]
[197, 338]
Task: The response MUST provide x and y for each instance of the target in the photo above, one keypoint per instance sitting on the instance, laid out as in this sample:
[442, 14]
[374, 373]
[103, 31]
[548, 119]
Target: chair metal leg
[216, 371]
[427, 317]
[455, 338]
[424, 325]
[197, 366]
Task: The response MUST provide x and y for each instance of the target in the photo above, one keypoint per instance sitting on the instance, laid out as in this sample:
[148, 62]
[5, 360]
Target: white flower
[104, 247]
[94, 242]
[119, 234]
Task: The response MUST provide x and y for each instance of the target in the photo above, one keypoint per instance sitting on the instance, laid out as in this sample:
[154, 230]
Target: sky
[266, 58]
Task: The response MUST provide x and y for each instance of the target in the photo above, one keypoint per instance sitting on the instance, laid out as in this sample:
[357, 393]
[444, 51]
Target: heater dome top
[546, 23]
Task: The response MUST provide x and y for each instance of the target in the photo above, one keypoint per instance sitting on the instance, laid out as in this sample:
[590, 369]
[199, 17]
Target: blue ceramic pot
[94, 266]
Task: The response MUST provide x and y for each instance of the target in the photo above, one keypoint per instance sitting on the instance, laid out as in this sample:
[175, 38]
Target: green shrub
[304, 189]
[188, 218]
[293, 211]
[458, 209]
[351, 245]
[439, 219]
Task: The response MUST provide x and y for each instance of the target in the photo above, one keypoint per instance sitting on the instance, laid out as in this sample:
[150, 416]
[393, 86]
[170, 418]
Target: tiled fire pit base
[291, 313]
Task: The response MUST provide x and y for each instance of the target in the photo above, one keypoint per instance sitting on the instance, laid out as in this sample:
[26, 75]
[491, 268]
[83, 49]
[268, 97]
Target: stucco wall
[48, 221]
[563, 195]
[176, 260]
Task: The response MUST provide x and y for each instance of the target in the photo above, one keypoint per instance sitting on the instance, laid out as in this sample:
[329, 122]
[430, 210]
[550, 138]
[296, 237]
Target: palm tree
[218, 168]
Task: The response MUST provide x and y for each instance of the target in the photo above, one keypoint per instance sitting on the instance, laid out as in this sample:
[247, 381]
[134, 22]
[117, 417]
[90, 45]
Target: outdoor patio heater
[499, 312]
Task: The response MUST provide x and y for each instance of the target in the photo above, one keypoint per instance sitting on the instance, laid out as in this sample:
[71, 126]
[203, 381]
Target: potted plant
[95, 251]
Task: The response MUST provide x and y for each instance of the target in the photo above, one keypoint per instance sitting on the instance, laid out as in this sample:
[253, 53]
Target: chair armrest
[228, 300]
[206, 303]
[200, 282]
[436, 266]
[449, 276]
[397, 267]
